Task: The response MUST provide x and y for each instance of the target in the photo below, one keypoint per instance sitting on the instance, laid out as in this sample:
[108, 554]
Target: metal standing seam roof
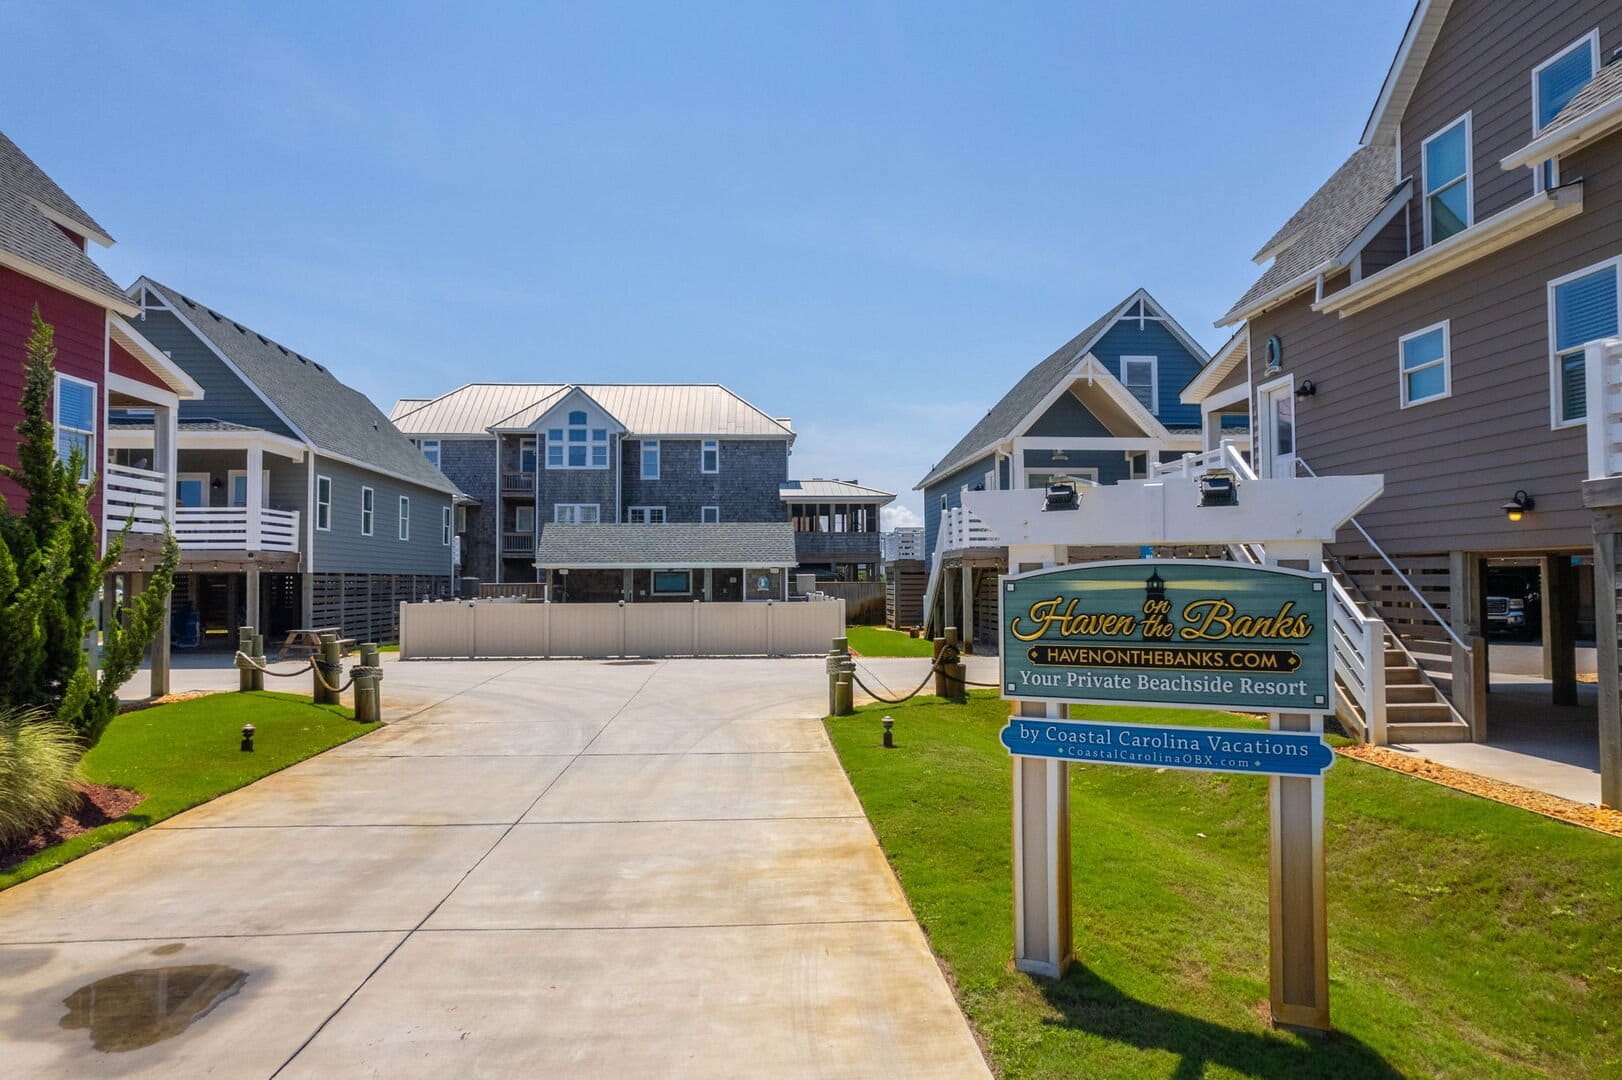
[677, 546]
[27, 233]
[1328, 221]
[335, 418]
[644, 409]
[831, 489]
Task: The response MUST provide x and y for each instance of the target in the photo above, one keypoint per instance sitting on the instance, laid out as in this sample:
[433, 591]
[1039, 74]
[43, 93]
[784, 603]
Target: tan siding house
[1410, 334]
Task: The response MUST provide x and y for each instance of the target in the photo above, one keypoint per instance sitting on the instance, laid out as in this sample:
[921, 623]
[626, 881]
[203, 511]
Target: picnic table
[306, 641]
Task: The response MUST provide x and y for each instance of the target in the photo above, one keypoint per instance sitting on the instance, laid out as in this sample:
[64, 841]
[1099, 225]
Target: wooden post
[1469, 665]
[966, 616]
[838, 650]
[368, 689]
[328, 665]
[259, 655]
[1044, 932]
[245, 647]
[250, 597]
[1610, 685]
[1560, 603]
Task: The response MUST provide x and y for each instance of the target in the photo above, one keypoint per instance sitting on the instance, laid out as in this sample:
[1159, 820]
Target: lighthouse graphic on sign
[1154, 587]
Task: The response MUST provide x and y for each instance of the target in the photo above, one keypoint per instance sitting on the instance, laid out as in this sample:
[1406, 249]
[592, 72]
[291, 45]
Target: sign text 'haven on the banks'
[1178, 632]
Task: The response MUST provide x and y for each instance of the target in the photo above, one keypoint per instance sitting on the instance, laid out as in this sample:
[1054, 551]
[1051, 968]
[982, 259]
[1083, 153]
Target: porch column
[1560, 601]
[255, 497]
[165, 459]
[1606, 653]
[1469, 668]
[966, 621]
[1547, 634]
[251, 599]
[709, 584]
[628, 585]
[948, 609]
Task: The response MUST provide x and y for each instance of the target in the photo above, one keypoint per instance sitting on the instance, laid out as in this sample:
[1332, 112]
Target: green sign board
[1192, 632]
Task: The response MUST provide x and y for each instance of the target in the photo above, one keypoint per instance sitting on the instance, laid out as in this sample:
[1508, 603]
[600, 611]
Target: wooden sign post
[1178, 633]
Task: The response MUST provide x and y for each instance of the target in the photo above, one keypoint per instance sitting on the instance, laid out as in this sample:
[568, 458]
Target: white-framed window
[1043, 476]
[672, 582]
[577, 445]
[236, 487]
[710, 515]
[1424, 363]
[368, 510]
[1449, 185]
[1141, 375]
[524, 519]
[430, 450]
[75, 419]
[650, 459]
[323, 503]
[577, 513]
[709, 456]
[1556, 81]
[405, 517]
[445, 526]
[1582, 308]
[646, 515]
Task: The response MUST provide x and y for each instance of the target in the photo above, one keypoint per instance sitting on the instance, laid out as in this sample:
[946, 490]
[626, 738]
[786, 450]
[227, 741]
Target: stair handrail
[1397, 570]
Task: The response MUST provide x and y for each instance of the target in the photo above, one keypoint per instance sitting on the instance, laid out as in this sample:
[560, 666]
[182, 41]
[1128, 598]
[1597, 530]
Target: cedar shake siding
[1449, 464]
[81, 343]
[470, 464]
[745, 487]
[1482, 64]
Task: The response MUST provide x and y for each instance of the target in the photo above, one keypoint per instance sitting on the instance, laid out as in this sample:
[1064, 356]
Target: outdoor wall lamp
[1061, 496]
[1059, 455]
[1518, 505]
[1307, 388]
[1218, 489]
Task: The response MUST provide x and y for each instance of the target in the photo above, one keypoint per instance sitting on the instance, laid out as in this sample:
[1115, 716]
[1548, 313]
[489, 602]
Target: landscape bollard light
[247, 738]
[889, 733]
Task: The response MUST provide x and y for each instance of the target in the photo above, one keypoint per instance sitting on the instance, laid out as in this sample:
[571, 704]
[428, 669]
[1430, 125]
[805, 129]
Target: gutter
[1602, 121]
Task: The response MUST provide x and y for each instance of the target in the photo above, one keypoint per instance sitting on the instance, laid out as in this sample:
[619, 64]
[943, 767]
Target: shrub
[39, 758]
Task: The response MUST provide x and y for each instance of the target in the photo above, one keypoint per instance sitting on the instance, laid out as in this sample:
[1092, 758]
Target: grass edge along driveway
[185, 753]
[1467, 938]
[881, 641]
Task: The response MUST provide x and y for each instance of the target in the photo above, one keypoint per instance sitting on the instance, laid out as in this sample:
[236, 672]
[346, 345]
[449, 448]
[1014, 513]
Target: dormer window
[1140, 376]
[577, 445]
[1556, 81]
[1446, 163]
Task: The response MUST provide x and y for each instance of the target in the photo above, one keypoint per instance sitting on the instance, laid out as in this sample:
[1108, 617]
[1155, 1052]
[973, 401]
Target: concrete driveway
[561, 868]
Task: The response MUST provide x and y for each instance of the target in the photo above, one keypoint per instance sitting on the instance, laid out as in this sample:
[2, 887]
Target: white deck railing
[960, 529]
[1603, 361]
[227, 528]
[137, 496]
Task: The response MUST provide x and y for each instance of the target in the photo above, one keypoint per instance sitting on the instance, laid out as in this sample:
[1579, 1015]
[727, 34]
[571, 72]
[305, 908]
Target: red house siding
[81, 336]
[120, 362]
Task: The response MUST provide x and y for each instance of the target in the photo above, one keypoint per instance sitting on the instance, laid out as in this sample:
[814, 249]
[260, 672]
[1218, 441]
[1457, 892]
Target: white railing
[960, 529]
[229, 528]
[137, 496]
[1357, 641]
[1603, 363]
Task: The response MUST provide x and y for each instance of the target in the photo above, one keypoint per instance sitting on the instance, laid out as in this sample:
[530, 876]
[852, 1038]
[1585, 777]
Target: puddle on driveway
[135, 1009]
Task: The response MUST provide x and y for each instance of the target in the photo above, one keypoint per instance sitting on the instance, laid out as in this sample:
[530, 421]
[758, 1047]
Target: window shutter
[1585, 310]
[1559, 82]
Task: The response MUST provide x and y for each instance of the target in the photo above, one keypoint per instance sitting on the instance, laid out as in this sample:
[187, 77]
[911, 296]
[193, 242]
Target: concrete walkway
[552, 869]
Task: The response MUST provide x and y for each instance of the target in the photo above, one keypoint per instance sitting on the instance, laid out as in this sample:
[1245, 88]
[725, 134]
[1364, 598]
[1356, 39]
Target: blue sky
[870, 217]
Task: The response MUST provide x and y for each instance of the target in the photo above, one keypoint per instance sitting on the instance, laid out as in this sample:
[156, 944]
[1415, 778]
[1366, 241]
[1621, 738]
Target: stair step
[1405, 675]
[1415, 693]
[1427, 732]
[1414, 712]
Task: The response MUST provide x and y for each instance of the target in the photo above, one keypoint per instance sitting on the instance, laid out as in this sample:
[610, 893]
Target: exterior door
[1276, 407]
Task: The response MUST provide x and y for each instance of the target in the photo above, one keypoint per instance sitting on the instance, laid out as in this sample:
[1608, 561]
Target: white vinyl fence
[476, 630]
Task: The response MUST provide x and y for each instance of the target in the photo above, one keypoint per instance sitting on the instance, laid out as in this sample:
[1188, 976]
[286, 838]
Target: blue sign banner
[1188, 632]
[1267, 753]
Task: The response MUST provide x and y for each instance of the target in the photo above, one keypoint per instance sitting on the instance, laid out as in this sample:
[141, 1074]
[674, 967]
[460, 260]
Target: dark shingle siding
[746, 488]
[727, 544]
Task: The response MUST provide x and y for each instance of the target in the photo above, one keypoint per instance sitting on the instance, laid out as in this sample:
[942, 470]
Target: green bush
[39, 759]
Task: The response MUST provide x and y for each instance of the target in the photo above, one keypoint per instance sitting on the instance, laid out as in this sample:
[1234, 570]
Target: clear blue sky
[870, 217]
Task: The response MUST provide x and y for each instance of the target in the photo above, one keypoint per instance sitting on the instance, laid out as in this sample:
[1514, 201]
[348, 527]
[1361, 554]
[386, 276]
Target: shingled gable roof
[334, 418]
[1003, 419]
[32, 207]
[1323, 227]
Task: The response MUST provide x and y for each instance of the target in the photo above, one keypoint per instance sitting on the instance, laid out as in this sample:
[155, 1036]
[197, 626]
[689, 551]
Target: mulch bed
[1597, 818]
[98, 805]
[167, 699]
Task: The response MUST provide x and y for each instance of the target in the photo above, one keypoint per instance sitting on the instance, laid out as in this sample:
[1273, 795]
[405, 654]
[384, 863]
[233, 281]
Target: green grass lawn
[189, 752]
[880, 641]
[1467, 938]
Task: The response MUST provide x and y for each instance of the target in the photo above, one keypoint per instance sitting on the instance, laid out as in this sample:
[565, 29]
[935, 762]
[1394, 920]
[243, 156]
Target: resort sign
[1194, 633]
[1269, 753]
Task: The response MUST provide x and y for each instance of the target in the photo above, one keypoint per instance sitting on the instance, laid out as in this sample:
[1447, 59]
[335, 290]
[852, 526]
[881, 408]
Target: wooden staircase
[1417, 710]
